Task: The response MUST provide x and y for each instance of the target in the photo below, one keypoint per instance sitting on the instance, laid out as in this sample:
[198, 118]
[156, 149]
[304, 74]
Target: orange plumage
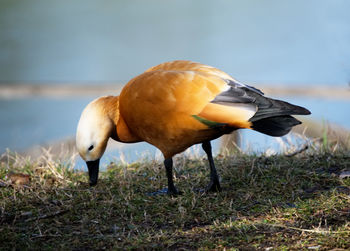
[177, 104]
[158, 105]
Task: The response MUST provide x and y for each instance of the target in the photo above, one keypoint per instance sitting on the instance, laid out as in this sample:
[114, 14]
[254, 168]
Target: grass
[267, 203]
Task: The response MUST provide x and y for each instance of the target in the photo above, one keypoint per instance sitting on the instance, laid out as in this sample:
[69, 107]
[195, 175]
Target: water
[29, 121]
[334, 111]
[81, 41]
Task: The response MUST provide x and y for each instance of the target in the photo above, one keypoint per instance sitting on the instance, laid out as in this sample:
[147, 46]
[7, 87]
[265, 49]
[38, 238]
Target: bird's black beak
[93, 167]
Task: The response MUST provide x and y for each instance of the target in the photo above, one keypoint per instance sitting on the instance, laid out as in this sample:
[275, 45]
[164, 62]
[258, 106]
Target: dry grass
[267, 203]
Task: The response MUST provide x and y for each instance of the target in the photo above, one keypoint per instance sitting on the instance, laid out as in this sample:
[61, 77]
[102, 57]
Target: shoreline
[23, 90]
[57, 90]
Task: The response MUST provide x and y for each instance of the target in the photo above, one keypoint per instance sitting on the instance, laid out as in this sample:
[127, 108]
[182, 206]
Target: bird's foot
[172, 192]
[213, 186]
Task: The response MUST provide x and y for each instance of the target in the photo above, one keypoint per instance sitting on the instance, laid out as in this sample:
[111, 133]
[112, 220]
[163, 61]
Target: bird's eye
[91, 147]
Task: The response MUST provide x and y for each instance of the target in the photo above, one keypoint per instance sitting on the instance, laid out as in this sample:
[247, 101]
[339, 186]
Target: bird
[175, 105]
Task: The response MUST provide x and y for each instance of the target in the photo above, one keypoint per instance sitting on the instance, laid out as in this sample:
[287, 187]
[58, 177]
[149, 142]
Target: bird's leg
[168, 163]
[214, 184]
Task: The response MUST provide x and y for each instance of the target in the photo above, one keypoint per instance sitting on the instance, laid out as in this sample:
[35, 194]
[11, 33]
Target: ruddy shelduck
[175, 105]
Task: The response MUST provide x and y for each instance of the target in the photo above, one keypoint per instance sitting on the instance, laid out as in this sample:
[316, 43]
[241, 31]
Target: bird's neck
[121, 131]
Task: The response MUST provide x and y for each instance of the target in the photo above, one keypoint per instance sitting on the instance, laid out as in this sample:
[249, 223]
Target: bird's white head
[94, 129]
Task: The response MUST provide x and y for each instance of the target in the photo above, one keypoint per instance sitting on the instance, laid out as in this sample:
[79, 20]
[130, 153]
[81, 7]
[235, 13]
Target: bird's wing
[235, 99]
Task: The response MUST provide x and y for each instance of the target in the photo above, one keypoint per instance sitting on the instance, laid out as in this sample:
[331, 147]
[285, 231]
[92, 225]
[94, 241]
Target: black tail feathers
[274, 116]
[275, 126]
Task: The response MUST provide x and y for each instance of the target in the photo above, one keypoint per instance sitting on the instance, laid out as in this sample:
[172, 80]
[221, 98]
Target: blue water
[335, 111]
[33, 121]
[82, 41]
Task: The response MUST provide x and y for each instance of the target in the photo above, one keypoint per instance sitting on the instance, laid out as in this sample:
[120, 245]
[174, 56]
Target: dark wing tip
[301, 111]
[307, 112]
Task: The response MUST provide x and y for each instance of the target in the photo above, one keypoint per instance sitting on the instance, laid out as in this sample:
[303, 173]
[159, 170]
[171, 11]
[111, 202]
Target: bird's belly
[174, 134]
